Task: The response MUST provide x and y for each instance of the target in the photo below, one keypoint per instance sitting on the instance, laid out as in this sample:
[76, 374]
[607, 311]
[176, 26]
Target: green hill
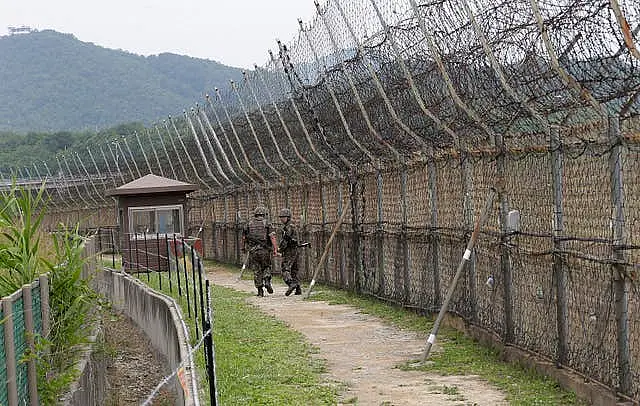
[53, 82]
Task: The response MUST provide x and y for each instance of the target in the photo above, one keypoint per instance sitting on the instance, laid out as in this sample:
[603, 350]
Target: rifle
[244, 265]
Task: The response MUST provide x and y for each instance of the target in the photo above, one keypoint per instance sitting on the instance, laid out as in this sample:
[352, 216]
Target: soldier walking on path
[258, 238]
[289, 249]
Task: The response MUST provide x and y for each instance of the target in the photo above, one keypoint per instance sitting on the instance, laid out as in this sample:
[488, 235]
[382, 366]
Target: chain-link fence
[403, 113]
[25, 316]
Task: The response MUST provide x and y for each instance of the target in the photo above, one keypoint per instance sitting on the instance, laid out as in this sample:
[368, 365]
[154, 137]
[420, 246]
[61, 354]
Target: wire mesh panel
[632, 203]
[421, 273]
[370, 256]
[36, 305]
[490, 295]
[392, 201]
[534, 303]
[450, 199]
[419, 197]
[20, 342]
[634, 338]
[453, 98]
[4, 394]
[592, 324]
[586, 181]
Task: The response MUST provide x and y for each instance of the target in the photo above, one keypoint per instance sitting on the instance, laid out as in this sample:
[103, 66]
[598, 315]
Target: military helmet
[260, 211]
[285, 213]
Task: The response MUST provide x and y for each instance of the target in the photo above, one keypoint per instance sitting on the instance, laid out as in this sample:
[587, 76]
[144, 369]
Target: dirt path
[363, 352]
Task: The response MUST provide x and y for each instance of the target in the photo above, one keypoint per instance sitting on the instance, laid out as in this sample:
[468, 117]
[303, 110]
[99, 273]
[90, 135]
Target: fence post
[435, 239]
[379, 234]
[404, 244]
[10, 352]
[467, 203]
[44, 304]
[186, 275]
[559, 259]
[225, 237]
[211, 366]
[214, 231]
[356, 253]
[505, 259]
[323, 232]
[343, 254]
[619, 271]
[195, 289]
[237, 234]
[32, 376]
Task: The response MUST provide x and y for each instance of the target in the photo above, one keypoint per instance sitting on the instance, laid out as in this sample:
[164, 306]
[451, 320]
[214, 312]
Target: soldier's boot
[260, 292]
[292, 287]
[298, 290]
[267, 284]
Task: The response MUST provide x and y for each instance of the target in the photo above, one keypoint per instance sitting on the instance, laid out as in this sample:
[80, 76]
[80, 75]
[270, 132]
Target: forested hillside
[52, 82]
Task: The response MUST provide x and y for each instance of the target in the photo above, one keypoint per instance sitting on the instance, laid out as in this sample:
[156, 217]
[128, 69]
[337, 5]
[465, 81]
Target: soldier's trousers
[260, 264]
[290, 268]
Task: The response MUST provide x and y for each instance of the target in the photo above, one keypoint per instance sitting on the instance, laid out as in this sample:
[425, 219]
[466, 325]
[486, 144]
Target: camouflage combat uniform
[256, 236]
[288, 247]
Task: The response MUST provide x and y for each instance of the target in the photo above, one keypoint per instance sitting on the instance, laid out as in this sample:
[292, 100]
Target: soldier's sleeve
[293, 235]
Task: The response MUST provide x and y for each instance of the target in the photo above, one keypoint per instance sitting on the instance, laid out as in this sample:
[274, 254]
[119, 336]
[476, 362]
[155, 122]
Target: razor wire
[431, 100]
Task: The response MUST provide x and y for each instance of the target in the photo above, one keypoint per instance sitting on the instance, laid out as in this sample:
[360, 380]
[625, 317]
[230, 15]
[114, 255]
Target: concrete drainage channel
[162, 337]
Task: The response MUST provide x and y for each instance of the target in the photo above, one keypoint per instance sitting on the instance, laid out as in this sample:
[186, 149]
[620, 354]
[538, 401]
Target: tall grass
[23, 257]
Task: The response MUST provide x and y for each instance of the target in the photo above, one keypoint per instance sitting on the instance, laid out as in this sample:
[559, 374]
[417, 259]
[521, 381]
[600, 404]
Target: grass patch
[259, 360]
[460, 354]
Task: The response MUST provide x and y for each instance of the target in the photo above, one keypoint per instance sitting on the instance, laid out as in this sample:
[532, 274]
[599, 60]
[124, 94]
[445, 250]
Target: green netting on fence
[3, 370]
[19, 338]
[20, 344]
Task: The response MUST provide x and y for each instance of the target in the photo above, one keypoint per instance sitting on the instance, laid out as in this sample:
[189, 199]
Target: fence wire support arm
[196, 114]
[133, 159]
[202, 113]
[186, 152]
[55, 183]
[237, 137]
[166, 152]
[378, 83]
[106, 162]
[155, 153]
[336, 103]
[267, 125]
[93, 185]
[279, 114]
[279, 176]
[407, 74]
[75, 184]
[294, 105]
[175, 150]
[144, 154]
[227, 141]
[126, 160]
[363, 111]
[205, 162]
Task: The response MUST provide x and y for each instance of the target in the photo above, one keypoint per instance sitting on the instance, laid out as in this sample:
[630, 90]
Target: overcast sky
[233, 32]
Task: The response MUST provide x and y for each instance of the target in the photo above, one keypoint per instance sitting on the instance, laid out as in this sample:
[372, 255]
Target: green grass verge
[259, 360]
[460, 354]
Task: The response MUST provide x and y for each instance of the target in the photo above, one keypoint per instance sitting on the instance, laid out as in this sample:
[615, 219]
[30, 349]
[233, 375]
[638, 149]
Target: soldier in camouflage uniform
[289, 249]
[258, 238]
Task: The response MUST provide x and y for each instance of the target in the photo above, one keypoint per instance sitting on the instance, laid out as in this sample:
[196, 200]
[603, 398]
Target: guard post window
[156, 219]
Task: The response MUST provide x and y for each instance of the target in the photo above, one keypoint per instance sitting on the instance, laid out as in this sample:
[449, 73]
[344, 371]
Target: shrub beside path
[363, 352]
